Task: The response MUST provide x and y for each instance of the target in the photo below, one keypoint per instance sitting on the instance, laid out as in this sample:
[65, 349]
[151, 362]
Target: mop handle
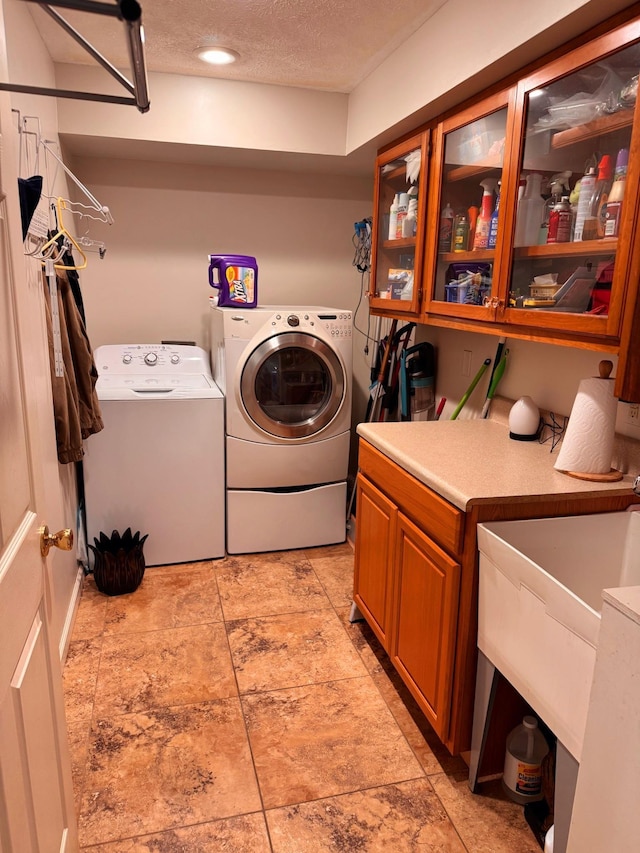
[494, 382]
[469, 390]
[387, 353]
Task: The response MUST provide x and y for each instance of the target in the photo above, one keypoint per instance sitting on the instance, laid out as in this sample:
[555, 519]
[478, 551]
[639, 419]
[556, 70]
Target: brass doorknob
[63, 539]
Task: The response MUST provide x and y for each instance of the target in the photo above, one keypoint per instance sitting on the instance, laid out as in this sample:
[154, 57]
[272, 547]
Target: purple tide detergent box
[236, 279]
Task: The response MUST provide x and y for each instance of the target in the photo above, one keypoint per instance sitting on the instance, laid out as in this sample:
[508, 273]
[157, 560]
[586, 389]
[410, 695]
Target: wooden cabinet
[400, 202]
[424, 625]
[544, 127]
[407, 579]
[416, 580]
[472, 170]
[377, 522]
[575, 114]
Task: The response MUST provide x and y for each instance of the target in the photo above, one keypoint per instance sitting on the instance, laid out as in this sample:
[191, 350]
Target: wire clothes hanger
[92, 245]
[62, 232]
[62, 241]
[29, 174]
[93, 210]
[98, 211]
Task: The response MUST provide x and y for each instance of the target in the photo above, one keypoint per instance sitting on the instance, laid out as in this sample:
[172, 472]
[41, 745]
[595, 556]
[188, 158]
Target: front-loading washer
[158, 464]
[286, 372]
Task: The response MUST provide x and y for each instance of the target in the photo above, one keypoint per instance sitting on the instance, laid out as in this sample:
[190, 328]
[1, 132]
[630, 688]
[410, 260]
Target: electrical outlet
[466, 362]
[633, 414]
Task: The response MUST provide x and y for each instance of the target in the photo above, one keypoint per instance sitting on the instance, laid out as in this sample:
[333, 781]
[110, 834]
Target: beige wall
[152, 284]
[549, 374]
[463, 48]
[204, 111]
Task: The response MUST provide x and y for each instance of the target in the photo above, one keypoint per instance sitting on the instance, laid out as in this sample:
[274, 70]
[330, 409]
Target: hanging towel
[75, 402]
[73, 278]
[29, 190]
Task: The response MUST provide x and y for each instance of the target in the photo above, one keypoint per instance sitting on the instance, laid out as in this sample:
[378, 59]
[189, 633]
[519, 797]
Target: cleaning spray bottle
[401, 214]
[483, 225]
[393, 217]
[559, 186]
[587, 186]
[574, 198]
[593, 228]
[530, 212]
[410, 222]
[493, 227]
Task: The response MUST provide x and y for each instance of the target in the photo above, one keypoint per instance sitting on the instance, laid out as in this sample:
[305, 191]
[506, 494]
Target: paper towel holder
[613, 475]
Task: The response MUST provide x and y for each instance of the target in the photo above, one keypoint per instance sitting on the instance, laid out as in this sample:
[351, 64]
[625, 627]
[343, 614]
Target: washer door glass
[292, 385]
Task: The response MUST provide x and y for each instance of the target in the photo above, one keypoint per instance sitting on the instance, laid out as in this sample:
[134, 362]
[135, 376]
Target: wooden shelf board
[597, 127]
[401, 243]
[461, 173]
[461, 257]
[394, 174]
[567, 250]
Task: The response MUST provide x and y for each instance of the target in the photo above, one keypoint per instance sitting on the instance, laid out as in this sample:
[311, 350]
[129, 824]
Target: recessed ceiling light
[217, 55]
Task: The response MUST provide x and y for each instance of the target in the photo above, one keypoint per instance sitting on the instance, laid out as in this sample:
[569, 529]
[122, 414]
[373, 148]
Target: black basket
[118, 562]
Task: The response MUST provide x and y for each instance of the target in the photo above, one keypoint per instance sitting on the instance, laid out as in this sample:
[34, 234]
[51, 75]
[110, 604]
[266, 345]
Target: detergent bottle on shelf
[530, 212]
[410, 222]
[559, 186]
[461, 233]
[473, 219]
[493, 226]
[614, 202]
[235, 277]
[401, 214]
[445, 237]
[483, 224]
[594, 224]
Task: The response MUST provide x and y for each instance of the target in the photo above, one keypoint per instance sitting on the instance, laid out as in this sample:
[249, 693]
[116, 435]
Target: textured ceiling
[322, 44]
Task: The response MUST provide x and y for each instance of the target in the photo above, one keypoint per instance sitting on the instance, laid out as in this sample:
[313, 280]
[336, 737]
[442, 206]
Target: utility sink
[540, 597]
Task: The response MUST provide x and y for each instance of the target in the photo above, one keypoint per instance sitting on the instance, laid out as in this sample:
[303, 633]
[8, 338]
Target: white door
[36, 800]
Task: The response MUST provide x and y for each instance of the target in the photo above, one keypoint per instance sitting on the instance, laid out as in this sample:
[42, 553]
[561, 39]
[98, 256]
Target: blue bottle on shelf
[493, 225]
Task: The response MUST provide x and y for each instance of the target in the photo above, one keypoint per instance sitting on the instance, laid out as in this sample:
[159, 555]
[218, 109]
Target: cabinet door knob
[492, 302]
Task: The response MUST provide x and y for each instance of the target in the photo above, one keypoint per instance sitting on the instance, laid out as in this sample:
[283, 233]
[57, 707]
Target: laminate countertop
[474, 461]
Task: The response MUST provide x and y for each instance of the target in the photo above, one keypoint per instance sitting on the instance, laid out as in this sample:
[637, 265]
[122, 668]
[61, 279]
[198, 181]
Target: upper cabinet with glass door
[398, 226]
[471, 160]
[574, 215]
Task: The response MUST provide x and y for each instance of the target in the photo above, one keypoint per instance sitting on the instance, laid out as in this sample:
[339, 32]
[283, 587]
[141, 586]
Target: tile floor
[231, 706]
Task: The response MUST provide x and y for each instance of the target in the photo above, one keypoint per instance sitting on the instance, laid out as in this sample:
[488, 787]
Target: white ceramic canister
[524, 420]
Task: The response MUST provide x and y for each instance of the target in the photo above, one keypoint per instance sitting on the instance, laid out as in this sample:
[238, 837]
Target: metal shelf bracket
[127, 11]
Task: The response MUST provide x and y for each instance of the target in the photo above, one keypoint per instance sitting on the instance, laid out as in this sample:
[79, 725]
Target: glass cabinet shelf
[398, 228]
[566, 250]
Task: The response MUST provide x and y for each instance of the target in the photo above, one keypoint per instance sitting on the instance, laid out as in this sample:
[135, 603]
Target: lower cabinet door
[374, 556]
[424, 621]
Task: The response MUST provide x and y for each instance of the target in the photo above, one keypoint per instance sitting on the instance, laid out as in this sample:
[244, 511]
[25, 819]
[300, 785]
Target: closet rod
[128, 11]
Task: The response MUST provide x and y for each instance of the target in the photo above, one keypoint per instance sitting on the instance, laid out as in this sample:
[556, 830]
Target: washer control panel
[151, 358]
[336, 324]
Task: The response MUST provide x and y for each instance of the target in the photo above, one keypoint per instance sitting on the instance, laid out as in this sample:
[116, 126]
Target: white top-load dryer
[158, 465]
[286, 372]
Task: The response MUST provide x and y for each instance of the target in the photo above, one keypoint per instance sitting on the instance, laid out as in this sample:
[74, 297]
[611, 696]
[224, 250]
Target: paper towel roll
[587, 446]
